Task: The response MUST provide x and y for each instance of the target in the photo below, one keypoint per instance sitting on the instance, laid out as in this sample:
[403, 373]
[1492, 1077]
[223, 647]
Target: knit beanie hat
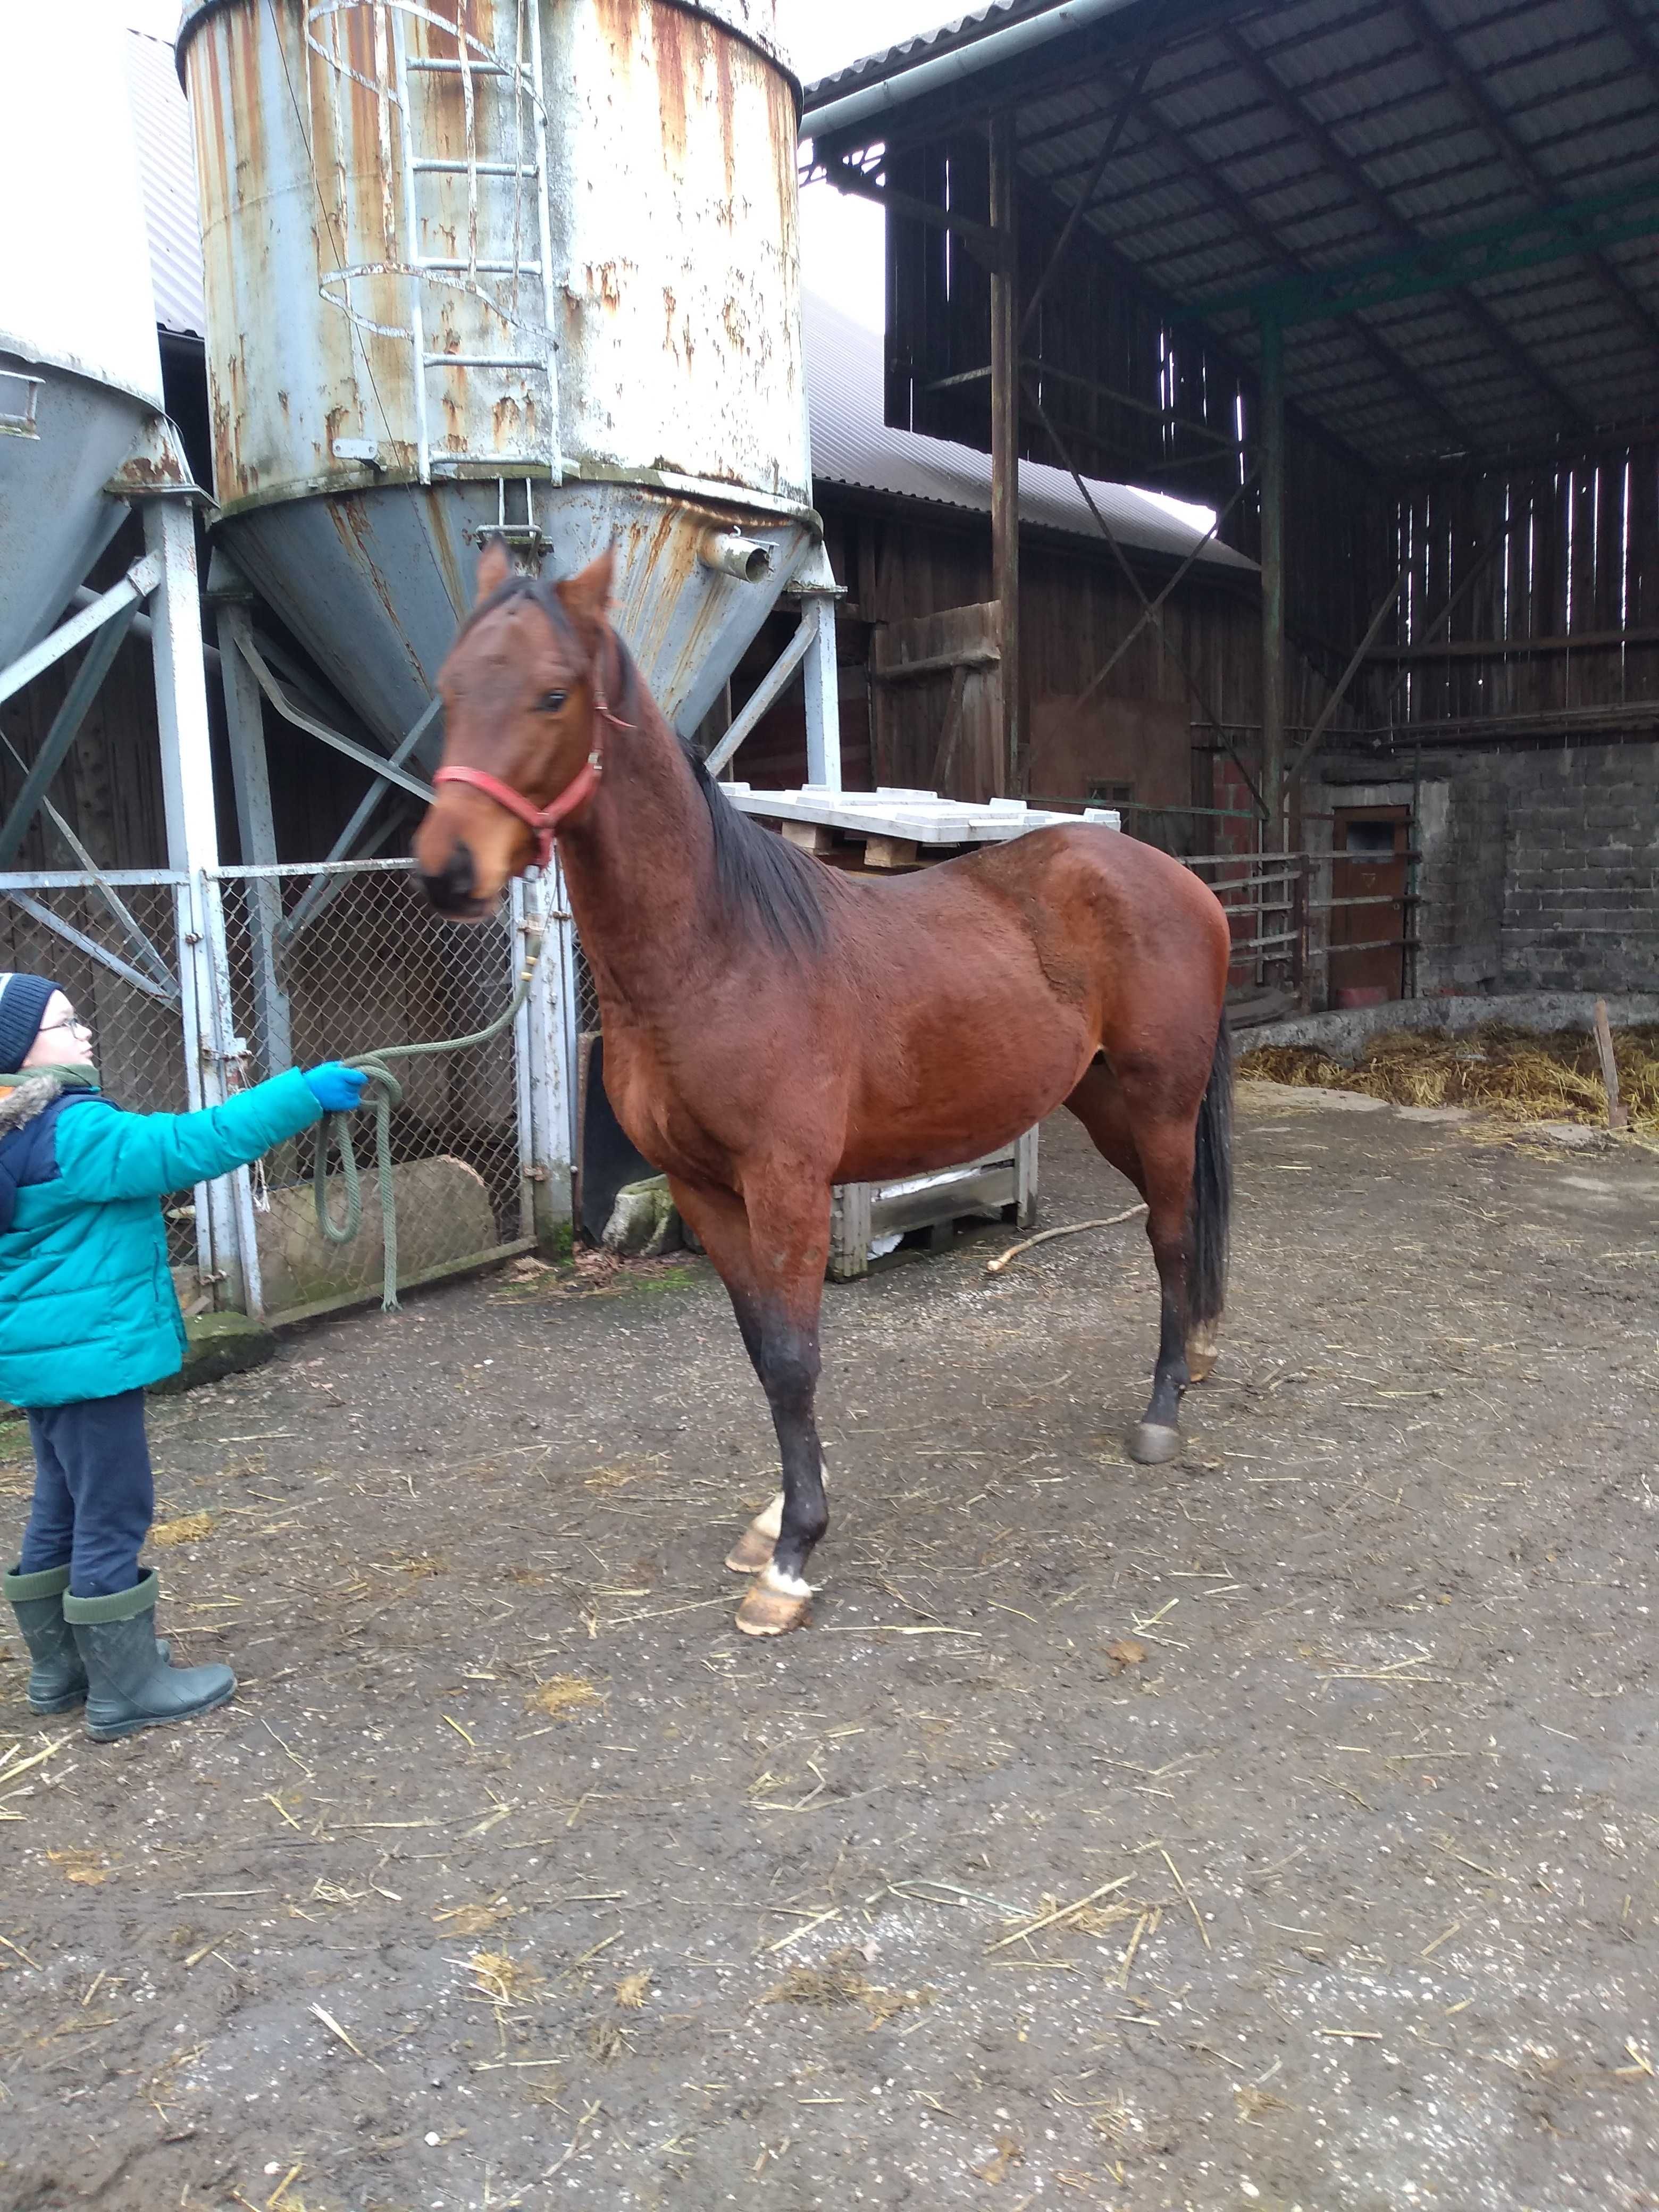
[22, 1009]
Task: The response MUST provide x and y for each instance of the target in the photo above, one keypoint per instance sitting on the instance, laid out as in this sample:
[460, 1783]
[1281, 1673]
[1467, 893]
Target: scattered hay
[501, 1977]
[605, 2041]
[1254, 2101]
[88, 1868]
[561, 1695]
[841, 1980]
[186, 1529]
[632, 1990]
[473, 1919]
[1513, 1072]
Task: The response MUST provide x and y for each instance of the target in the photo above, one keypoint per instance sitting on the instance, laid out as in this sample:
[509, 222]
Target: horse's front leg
[770, 1250]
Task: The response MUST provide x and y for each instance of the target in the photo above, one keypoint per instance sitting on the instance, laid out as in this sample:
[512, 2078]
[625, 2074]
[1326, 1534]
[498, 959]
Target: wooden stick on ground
[1618, 1112]
[1073, 1228]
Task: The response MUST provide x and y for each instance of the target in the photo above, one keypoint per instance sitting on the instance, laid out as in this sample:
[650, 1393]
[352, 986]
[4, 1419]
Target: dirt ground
[514, 1876]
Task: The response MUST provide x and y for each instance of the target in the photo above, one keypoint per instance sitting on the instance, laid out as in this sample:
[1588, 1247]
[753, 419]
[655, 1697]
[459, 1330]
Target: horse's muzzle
[453, 888]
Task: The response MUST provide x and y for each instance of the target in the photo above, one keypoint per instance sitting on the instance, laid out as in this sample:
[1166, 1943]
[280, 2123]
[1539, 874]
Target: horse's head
[522, 703]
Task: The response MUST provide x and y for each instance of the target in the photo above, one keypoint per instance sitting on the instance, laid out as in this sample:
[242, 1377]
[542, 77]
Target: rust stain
[506, 416]
[673, 36]
[140, 473]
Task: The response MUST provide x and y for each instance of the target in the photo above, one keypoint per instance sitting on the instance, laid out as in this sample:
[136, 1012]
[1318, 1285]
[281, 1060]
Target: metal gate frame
[542, 1046]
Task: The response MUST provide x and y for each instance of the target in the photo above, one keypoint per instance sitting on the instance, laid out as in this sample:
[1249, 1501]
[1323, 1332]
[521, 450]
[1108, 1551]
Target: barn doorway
[1371, 856]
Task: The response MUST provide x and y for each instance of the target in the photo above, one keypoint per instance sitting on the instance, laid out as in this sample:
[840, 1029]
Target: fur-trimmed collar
[21, 1102]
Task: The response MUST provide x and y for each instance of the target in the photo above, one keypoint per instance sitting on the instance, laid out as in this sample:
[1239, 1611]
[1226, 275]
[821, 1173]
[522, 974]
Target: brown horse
[774, 1027]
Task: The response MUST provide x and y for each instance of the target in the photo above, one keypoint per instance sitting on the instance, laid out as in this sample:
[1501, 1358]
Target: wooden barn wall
[1558, 567]
[903, 565]
[1096, 330]
[1182, 400]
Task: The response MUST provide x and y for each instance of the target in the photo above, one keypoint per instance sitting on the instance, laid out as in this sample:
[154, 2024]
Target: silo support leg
[823, 697]
[256, 824]
[182, 713]
[541, 1065]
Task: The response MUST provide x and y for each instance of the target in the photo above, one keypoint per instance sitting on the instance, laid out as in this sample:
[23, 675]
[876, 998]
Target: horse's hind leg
[1166, 1151]
[775, 1280]
[1154, 1149]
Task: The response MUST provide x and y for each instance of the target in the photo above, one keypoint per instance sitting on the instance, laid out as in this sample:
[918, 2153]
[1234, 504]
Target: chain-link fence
[111, 944]
[330, 963]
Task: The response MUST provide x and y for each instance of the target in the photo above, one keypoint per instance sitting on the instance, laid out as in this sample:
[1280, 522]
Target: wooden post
[1004, 442]
[1618, 1112]
[1272, 581]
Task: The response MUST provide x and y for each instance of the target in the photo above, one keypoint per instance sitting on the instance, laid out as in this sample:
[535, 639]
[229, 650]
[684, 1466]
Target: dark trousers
[93, 1495]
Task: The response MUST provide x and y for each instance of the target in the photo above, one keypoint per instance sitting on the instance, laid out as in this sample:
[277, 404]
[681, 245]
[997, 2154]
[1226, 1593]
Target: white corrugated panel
[166, 163]
[74, 287]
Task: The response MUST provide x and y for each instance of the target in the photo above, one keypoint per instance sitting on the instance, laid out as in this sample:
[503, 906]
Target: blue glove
[336, 1089]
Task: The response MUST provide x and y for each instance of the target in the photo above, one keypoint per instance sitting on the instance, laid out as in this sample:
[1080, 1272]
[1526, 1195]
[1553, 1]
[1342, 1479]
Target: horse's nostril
[452, 884]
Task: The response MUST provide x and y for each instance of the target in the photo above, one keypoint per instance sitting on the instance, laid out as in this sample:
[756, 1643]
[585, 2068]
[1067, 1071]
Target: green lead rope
[388, 1092]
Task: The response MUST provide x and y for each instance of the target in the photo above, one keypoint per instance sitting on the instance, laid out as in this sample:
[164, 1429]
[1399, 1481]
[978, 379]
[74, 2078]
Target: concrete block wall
[1539, 868]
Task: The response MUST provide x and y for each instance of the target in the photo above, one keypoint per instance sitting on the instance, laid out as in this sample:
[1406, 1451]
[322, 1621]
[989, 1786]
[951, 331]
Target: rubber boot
[129, 1684]
[58, 1680]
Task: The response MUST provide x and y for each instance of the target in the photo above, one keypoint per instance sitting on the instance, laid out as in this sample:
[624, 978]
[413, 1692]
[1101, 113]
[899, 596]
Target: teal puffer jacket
[87, 1303]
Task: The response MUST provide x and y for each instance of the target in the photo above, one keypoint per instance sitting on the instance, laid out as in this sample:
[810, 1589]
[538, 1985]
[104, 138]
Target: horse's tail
[1213, 1186]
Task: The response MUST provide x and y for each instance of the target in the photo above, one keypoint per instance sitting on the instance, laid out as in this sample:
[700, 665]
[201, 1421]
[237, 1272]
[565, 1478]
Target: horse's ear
[493, 568]
[587, 594]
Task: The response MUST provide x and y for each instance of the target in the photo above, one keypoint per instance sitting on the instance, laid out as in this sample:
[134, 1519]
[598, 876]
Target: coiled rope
[386, 1093]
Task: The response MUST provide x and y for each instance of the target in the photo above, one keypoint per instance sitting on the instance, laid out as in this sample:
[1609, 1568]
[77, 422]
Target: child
[87, 1317]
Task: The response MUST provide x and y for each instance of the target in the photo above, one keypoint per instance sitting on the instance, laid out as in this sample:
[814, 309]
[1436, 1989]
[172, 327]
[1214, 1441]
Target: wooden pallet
[999, 1185]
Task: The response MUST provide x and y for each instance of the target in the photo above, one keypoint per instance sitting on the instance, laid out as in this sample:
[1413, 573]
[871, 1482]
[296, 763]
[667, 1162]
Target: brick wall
[1540, 869]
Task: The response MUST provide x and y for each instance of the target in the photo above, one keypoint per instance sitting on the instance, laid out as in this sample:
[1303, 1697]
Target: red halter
[542, 820]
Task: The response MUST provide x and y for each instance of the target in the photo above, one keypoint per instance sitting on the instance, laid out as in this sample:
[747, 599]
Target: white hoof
[774, 1604]
[753, 1549]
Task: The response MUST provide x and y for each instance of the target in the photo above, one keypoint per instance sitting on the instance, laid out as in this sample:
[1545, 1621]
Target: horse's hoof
[751, 1553]
[773, 1604]
[1203, 1348]
[753, 1549]
[1153, 1445]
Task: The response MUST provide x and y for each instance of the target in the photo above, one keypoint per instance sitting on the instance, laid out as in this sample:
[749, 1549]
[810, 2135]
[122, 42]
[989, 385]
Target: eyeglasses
[72, 1022]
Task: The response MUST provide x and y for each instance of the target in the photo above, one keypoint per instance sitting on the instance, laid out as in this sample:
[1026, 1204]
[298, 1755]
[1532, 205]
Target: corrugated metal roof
[852, 447]
[1274, 141]
[960, 31]
[166, 163]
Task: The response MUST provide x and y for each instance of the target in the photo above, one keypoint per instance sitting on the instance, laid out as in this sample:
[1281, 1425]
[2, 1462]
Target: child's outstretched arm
[103, 1153]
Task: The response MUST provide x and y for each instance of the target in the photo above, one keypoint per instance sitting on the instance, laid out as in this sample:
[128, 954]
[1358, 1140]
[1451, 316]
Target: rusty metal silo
[481, 262]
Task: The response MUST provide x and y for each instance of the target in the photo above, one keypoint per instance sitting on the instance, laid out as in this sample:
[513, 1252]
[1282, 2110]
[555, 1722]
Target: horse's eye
[550, 701]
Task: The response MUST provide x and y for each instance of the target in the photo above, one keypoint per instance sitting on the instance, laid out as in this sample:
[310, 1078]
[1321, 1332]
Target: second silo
[477, 262]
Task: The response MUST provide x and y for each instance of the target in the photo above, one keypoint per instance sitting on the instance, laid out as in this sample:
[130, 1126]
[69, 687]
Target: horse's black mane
[758, 872]
[759, 876]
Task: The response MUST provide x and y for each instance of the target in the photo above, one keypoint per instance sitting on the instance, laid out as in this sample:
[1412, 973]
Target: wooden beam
[938, 664]
[986, 247]
[1518, 648]
[1272, 450]
[1357, 661]
[1004, 440]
